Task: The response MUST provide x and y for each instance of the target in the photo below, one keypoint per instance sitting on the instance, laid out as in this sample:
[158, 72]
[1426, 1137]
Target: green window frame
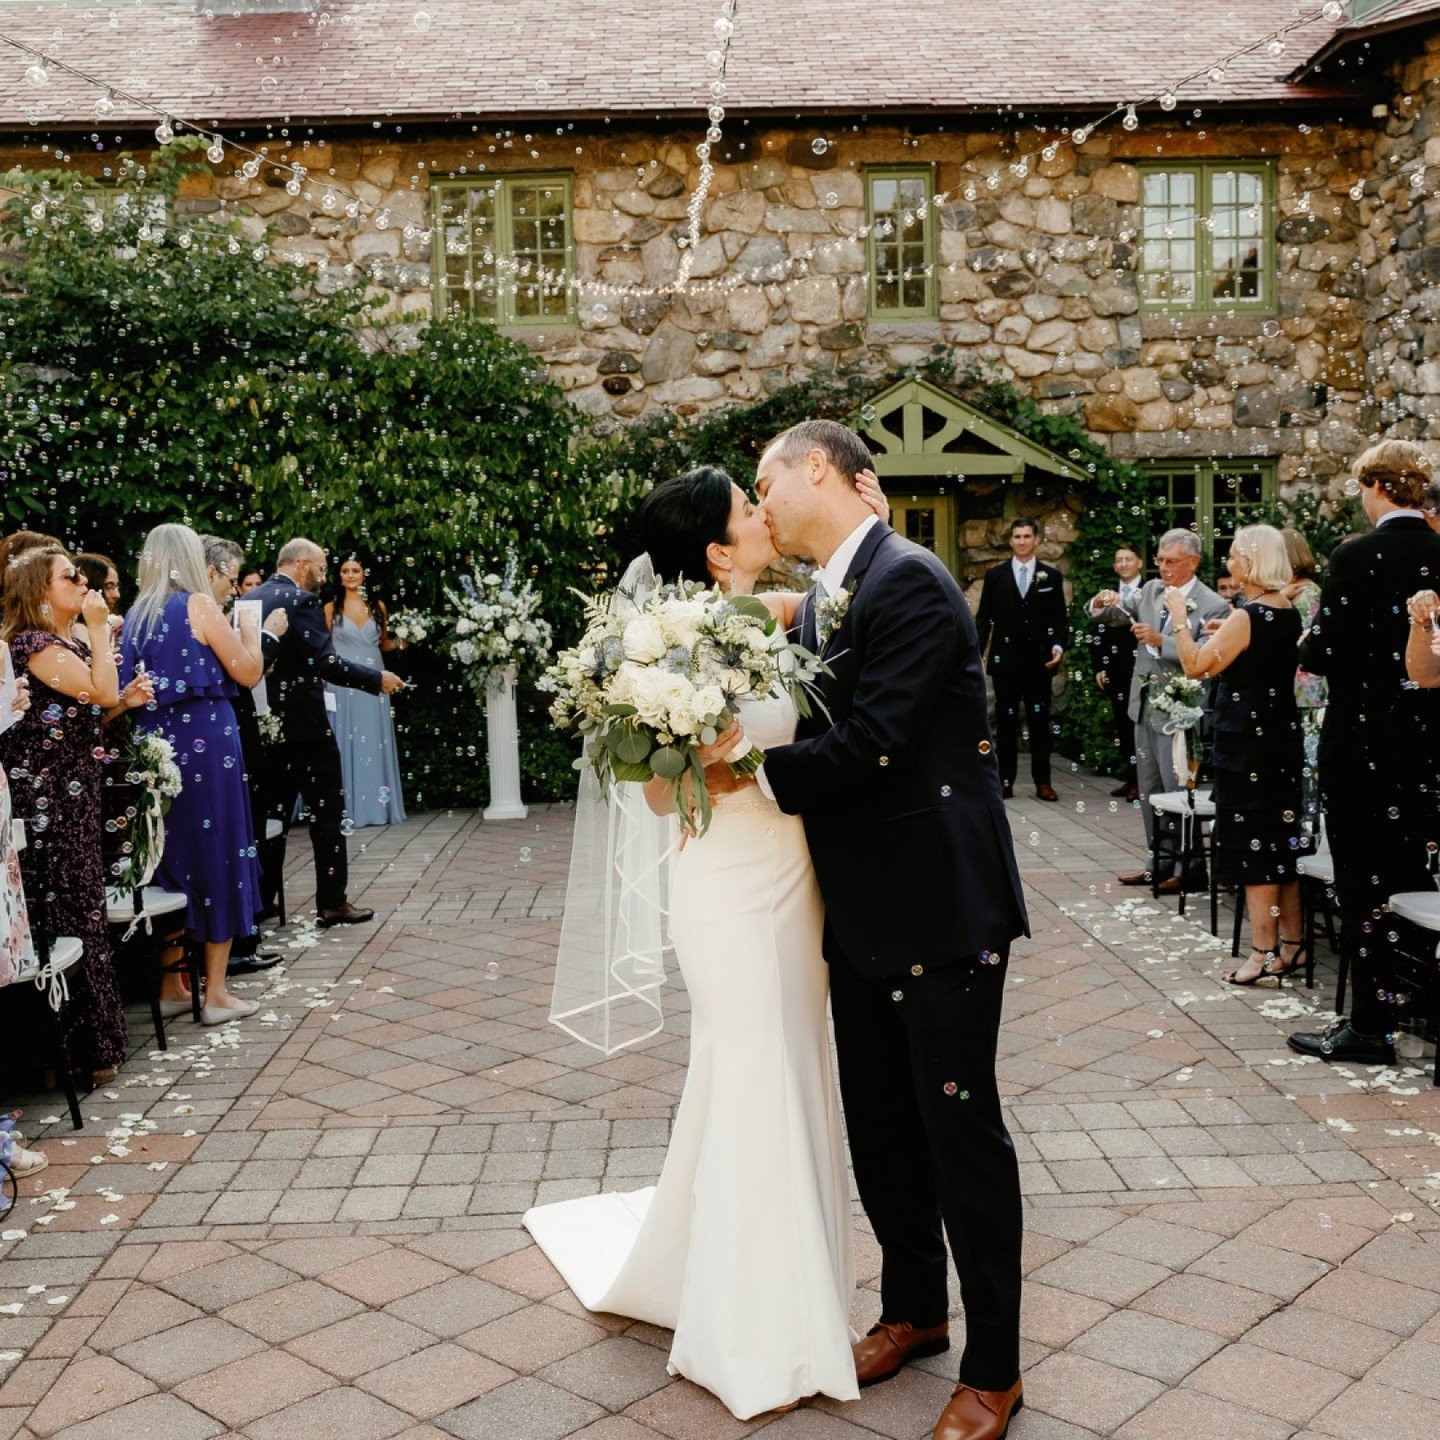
[493, 237]
[1207, 237]
[1211, 497]
[900, 257]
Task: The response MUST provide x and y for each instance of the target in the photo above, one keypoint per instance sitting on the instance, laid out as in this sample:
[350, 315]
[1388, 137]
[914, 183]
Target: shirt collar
[833, 572]
[1189, 585]
[1017, 564]
[1405, 514]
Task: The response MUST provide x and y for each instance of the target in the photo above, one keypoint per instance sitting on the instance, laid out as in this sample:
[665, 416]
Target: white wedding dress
[744, 1249]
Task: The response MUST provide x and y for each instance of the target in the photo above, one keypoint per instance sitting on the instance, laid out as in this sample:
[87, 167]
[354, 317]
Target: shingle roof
[1398, 15]
[361, 59]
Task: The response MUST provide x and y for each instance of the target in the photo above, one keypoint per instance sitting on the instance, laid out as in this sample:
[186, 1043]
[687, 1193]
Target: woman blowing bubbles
[1259, 750]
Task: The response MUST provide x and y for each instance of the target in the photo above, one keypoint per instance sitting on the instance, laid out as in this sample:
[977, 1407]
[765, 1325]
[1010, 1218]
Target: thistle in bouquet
[495, 623]
[659, 676]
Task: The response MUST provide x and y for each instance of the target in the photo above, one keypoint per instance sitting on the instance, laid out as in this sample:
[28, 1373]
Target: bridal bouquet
[660, 673]
[1180, 699]
[496, 623]
[151, 771]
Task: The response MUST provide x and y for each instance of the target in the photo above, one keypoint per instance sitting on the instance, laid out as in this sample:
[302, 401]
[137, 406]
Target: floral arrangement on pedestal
[495, 627]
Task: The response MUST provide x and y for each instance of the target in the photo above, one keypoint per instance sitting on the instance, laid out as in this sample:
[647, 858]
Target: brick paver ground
[308, 1226]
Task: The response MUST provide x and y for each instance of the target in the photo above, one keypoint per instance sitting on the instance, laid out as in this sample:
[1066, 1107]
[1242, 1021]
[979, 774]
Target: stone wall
[1037, 273]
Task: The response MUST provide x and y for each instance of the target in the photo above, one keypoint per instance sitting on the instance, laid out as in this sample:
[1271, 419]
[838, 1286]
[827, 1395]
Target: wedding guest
[363, 726]
[305, 663]
[1156, 660]
[1310, 690]
[1229, 590]
[1022, 620]
[224, 560]
[1380, 812]
[251, 580]
[53, 756]
[100, 574]
[1259, 754]
[1431, 505]
[1115, 665]
[177, 634]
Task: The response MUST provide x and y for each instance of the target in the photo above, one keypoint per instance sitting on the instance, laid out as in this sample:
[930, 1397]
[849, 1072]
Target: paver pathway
[308, 1226]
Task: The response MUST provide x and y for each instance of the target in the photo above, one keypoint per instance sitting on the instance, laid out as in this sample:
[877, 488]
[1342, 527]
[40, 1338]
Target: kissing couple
[869, 859]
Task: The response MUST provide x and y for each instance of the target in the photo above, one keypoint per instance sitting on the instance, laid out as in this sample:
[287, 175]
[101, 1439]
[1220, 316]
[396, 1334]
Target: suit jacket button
[984, 747]
[884, 759]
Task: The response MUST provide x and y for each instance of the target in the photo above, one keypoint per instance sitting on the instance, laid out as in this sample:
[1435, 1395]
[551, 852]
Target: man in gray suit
[1144, 614]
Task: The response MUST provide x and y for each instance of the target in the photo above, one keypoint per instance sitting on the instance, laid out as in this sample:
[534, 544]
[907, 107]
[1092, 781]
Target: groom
[900, 793]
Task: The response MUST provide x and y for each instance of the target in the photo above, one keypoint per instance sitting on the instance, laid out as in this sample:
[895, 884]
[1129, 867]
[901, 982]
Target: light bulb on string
[215, 154]
[1167, 100]
[1276, 47]
[1131, 120]
[38, 74]
[105, 106]
[1332, 10]
[1217, 71]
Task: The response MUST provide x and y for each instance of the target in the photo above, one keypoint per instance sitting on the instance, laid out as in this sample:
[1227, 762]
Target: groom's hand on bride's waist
[720, 780]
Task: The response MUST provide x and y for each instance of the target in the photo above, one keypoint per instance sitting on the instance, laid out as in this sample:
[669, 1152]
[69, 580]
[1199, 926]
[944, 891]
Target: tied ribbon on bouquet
[660, 672]
[1179, 699]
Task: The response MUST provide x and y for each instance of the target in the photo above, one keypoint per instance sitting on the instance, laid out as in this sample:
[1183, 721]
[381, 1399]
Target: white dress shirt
[832, 573]
[1185, 590]
[1405, 514]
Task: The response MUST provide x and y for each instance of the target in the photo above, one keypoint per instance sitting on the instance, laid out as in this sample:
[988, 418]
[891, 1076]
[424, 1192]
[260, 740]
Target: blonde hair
[1267, 562]
[1400, 468]
[171, 563]
[1302, 557]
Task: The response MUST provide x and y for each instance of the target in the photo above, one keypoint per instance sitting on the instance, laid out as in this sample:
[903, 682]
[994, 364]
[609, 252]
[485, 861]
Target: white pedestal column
[502, 726]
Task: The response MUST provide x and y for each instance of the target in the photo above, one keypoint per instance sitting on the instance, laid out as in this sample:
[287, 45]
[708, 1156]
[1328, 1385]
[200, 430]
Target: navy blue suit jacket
[900, 789]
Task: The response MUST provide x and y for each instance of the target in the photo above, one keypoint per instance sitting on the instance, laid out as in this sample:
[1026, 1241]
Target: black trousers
[1378, 828]
[929, 1145]
[312, 770]
[1029, 699]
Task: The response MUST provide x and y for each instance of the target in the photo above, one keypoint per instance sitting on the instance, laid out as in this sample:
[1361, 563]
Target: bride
[744, 1249]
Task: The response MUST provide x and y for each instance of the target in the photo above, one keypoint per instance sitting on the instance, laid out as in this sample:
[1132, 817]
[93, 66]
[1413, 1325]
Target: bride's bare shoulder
[782, 604]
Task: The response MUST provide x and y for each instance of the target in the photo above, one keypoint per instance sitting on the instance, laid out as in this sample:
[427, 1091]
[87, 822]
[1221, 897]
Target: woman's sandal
[1302, 956]
[1230, 977]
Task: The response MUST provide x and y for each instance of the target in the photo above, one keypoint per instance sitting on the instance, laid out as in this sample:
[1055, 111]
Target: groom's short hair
[844, 449]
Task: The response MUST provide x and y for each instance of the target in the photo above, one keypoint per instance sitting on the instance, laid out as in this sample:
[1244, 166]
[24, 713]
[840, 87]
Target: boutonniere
[829, 612]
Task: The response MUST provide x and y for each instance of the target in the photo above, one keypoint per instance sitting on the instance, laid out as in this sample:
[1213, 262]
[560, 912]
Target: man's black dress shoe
[252, 964]
[1342, 1041]
[346, 914]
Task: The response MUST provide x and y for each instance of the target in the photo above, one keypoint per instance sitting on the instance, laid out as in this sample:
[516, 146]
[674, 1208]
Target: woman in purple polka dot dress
[181, 638]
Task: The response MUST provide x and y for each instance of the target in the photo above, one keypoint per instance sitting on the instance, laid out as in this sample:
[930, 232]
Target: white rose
[709, 700]
[644, 639]
[512, 631]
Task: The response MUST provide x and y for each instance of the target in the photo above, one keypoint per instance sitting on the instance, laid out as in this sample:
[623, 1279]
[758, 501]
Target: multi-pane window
[503, 248]
[901, 242]
[1206, 237]
[1211, 497]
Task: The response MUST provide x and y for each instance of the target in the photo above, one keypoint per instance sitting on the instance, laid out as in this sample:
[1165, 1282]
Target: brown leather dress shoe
[347, 914]
[1140, 877]
[1046, 792]
[979, 1414]
[887, 1349]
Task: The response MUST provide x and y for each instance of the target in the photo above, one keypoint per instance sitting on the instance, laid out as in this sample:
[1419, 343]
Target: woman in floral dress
[53, 756]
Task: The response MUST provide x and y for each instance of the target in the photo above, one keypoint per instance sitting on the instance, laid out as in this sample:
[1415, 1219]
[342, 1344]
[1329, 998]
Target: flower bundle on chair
[1181, 700]
[495, 625]
[661, 672]
[154, 780]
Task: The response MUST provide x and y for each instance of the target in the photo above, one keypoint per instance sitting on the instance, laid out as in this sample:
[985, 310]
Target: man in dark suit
[223, 562]
[1115, 666]
[1022, 620]
[1377, 745]
[900, 796]
[305, 662]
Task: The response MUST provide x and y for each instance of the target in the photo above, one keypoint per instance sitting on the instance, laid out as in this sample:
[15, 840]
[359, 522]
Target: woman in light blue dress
[364, 729]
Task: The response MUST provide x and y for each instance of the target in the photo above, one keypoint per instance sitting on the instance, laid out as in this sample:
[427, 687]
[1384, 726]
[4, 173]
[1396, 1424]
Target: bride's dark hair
[682, 517]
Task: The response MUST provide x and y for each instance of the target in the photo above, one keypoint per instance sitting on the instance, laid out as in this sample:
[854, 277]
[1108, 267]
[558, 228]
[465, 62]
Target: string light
[724, 29]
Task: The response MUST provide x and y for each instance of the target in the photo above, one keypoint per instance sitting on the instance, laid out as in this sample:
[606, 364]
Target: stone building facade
[1239, 298]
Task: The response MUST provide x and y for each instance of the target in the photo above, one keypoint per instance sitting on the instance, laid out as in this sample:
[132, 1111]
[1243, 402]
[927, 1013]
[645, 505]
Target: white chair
[1195, 810]
[58, 954]
[1419, 910]
[1317, 891]
[136, 908]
